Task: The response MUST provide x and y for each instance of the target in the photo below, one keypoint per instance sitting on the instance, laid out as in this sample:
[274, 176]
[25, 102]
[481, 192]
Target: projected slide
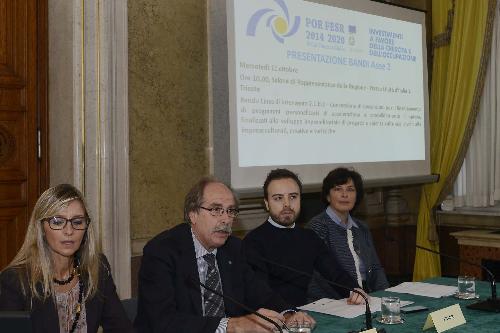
[316, 84]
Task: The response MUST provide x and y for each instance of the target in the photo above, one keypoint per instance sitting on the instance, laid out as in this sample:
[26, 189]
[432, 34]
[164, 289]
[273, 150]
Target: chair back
[130, 306]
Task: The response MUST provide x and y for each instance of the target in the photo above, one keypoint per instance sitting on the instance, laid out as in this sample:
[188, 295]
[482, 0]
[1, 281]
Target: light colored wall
[61, 91]
[88, 117]
[168, 109]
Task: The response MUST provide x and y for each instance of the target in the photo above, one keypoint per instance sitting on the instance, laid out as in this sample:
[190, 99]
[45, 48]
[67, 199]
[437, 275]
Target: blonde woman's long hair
[34, 260]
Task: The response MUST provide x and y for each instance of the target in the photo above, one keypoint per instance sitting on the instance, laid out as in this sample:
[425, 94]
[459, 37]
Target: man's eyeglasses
[219, 211]
[59, 223]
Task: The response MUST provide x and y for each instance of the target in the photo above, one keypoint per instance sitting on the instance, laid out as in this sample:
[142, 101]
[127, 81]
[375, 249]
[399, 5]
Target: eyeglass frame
[213, 211]
[86, 218]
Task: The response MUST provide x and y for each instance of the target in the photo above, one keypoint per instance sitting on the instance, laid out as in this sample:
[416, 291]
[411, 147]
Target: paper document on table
[423, 289]
[340, 308]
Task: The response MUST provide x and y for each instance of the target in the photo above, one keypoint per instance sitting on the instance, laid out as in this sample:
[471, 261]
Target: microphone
[492, 304]
[195, 282]
[368, 313]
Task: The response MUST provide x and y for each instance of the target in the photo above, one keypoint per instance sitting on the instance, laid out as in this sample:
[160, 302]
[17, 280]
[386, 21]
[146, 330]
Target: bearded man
[280, 241]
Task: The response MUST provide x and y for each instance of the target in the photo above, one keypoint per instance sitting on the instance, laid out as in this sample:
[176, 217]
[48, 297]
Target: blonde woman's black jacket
[104, 309]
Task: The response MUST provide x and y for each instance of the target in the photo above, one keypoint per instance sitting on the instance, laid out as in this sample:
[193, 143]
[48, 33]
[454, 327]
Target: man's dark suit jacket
[104, 309]
[170, 302]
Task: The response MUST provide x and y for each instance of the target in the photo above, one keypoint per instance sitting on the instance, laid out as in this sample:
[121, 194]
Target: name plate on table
[372, 330]
[445, 319]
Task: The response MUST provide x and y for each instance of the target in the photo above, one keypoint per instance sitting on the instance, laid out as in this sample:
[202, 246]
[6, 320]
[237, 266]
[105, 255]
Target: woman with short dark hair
[349, 239]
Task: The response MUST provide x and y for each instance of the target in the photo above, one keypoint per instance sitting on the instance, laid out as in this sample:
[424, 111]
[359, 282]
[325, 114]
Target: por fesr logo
[278, 22]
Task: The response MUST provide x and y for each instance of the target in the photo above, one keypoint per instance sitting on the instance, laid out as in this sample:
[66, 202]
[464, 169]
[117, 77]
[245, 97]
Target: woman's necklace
[66, 281]
[78, 306]
[78, 309]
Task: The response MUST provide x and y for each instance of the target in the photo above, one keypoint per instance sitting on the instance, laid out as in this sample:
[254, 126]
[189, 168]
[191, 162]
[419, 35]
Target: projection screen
[311, 85]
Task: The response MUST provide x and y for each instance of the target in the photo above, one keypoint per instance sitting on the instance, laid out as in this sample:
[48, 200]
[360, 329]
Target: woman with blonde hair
[60, 274]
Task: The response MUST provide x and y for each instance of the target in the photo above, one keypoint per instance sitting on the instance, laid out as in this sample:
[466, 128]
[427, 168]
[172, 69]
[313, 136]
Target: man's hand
[356, 298]
[253, 323]
[300, 318]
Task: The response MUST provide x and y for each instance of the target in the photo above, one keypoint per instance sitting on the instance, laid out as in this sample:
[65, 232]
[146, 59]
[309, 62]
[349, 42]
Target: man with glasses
[178, 264]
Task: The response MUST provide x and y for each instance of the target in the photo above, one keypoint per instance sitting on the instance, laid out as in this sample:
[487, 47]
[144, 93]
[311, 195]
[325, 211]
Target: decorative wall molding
[485, 238]
[468, 220]
[98, 140]
[7, 144]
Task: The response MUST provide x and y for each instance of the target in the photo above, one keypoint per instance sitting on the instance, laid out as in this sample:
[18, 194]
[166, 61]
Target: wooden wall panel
[15, 27]
[13, 129]
[12, 232]
[23, 68]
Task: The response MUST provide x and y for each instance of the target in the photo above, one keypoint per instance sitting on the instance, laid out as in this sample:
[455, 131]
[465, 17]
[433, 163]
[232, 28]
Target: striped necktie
[213, 304]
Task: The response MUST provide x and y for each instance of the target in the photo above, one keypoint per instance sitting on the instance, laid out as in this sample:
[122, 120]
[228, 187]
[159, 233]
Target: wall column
[95, 78]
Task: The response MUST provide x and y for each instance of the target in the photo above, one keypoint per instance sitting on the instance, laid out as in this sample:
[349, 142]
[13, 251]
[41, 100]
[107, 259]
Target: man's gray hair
[194, 198]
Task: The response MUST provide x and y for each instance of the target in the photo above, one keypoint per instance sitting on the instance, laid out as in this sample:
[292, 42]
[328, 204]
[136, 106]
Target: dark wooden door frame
[42, 94]
[24, 113]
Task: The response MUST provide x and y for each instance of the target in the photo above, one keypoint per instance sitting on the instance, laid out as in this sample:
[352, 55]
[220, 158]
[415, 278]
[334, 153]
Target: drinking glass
[466, 287]
[296, 327]
[391, 310]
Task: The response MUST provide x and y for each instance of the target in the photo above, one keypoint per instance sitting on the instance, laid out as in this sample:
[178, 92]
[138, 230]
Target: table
[476, 321]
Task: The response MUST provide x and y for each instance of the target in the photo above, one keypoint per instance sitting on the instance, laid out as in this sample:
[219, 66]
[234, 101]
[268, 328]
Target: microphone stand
[368, 313]
[491, 304]
[243, 306]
